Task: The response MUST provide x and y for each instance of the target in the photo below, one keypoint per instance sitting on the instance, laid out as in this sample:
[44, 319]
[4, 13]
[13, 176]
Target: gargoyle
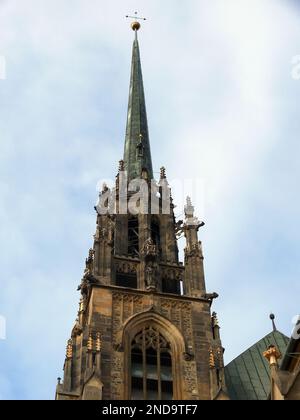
[211, 296]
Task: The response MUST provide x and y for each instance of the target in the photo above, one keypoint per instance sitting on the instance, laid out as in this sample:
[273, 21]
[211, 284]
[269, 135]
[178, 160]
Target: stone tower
[144, 330]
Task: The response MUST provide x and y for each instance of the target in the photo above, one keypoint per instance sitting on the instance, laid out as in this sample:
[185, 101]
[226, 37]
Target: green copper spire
[137, 155]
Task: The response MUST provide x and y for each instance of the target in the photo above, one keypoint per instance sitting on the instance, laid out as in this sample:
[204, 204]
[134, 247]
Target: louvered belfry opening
[151, 366]
[133, 236]
[155, 232]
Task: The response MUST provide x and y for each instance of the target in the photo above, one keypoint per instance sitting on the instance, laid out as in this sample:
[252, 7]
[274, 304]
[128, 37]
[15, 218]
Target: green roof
[248, 376]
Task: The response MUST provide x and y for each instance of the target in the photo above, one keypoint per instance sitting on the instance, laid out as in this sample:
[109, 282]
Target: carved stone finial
[90, 343]
[81, 306]
[189, 202]
[91, 254]
[89, 263]
[98, 343]
[84, 288]
[97, 234]
[189, 210]
[104, 188]
[215, 321]
[163, 173]
[188, 357]
[77, 329]
[272, 355]
[121, 166]
[212, 363]
[69, 353]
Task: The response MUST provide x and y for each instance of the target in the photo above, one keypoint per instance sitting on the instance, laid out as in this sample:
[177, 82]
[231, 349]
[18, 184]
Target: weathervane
[136, 24]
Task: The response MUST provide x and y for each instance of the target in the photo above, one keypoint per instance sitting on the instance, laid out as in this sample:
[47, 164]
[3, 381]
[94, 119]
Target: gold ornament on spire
[135, 25]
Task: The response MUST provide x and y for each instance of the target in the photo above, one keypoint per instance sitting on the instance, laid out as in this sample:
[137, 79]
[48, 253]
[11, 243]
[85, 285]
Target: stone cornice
[118, 289]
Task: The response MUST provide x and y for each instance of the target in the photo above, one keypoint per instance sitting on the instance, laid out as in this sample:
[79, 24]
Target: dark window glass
[151, 367]
[126, 280]
[171, 286]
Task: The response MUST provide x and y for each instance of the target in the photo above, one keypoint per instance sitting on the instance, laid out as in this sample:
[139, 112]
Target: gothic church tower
[144, 330]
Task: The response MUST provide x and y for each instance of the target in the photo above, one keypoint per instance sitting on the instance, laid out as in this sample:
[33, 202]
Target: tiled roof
[248, 376]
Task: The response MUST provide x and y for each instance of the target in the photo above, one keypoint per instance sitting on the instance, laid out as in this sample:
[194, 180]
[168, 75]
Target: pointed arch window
[151, 366]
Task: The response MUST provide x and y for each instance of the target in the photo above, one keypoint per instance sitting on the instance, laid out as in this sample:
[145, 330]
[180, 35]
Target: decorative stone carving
[190, 378]
[125, 305]
[77, 330]
[121, 166]
[69, 352]
[149, 249]
[220, 352]
[90, 343]
[214, 320]
[216, 357]
[84, 288]
[89, 264]
[117, 376]
[176, 274]
[97, 234]
[212, 363]
[126, 267]
[151, 338]
[179, 228]
[194, 250]
[188, 357]
[151, 277]
[118, 347]
[98, 343]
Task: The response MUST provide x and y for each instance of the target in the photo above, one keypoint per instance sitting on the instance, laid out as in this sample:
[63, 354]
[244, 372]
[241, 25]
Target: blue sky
[222, 106]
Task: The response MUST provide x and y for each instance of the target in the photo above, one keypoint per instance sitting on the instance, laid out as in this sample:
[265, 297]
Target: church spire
[135, 290]
[137, 154]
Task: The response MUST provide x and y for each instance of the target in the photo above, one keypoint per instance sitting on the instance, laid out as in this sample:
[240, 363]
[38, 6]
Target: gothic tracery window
[151, 366]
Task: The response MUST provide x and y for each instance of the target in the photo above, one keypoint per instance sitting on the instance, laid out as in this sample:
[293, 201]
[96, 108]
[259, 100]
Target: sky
[222, 98]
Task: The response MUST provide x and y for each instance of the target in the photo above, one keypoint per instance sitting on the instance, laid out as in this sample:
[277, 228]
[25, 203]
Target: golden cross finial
[135, 24]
